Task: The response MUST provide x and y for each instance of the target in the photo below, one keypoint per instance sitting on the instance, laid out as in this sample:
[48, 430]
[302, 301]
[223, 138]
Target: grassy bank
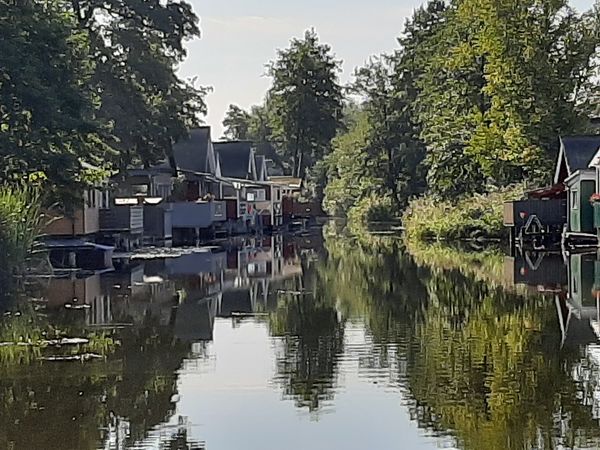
[428, 219]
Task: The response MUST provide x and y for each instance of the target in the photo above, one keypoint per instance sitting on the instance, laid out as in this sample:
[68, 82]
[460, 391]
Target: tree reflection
[489, 367]
[311, 338]
[76, 402]
[478, 362]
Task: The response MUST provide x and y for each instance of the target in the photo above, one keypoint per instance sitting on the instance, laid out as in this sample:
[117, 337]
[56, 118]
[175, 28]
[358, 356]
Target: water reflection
[308, 344]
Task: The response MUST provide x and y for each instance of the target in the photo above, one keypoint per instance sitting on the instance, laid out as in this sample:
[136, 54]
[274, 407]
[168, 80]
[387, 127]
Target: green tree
[47, 101]
[350, 170]
[498, 89]
[137, 47]
[306, 101]
[237, 123]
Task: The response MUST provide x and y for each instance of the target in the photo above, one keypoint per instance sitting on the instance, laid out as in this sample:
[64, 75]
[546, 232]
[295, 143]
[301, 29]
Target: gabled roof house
[236, 160]
[195, 155]
[576, 153]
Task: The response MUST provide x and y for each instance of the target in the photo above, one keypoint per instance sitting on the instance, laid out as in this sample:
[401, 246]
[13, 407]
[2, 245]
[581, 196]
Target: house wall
[84, 221]
[581, 212]
[190, 215]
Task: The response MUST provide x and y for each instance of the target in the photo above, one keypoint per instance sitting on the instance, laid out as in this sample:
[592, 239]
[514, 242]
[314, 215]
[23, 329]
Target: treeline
[90, 85]
[473, 99]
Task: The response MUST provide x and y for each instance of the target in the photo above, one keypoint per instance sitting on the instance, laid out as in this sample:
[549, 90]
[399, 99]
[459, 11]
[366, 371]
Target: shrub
[428, 218]
[372, 208]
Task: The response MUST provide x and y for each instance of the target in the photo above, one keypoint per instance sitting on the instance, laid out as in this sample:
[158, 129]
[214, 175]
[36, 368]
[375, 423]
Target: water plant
[21, 222]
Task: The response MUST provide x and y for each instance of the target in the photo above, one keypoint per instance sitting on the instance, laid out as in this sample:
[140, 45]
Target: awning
[554, 191]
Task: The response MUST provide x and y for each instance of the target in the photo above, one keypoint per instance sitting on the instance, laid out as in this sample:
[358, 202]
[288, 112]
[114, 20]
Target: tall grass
[21, 222]
[429, 219]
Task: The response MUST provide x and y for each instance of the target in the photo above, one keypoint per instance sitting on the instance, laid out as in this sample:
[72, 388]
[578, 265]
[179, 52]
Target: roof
[287, 181]
[261, 168]
[576, 152]
[554, 191]
[191, 154]
[235, 159]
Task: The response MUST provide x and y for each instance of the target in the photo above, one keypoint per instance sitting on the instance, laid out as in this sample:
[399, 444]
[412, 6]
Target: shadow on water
[484, 350]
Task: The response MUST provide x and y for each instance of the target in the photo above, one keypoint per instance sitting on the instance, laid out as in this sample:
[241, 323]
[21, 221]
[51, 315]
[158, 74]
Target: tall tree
[306, 100]
[138, 46]
[500, 86]
[237, 123]
[47, 102]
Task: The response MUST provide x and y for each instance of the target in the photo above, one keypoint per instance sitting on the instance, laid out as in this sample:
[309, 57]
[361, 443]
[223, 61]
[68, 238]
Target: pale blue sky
[240, 36]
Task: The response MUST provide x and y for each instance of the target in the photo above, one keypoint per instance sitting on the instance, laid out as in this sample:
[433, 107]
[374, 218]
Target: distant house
[541, 216]
[195, 160]
[136, 209]
[83, 219]
[236, 166]
[198, 208]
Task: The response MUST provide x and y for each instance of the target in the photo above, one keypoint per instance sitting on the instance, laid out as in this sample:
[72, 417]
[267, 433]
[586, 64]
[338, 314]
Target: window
[219, 210]
[251, 196]
[105, 200]
[260, 195]
[91, 198]
[574, 199]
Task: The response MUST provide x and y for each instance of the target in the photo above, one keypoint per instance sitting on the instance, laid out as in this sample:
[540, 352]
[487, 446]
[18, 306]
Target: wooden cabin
[236, 168]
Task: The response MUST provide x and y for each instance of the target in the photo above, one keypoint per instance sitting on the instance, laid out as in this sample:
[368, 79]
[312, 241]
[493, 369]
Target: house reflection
[571, 281]
[187, 292]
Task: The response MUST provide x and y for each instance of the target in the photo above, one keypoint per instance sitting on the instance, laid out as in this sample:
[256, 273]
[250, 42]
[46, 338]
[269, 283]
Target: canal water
[306, 342]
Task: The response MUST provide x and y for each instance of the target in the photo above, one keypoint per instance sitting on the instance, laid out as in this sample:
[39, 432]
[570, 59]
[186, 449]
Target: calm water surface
[300, 342]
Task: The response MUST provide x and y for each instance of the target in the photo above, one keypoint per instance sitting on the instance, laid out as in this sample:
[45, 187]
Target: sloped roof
[191, 154]
[235, 159]
[577, 153]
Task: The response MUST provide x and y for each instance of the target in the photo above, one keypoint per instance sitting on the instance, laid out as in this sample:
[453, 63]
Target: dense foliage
[47, 102]
[477, 216]
[89, 82]
[472, 101]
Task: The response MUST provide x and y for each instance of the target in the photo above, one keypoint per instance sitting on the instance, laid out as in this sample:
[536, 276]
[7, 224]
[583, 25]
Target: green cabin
[581, 186]
[574, 167]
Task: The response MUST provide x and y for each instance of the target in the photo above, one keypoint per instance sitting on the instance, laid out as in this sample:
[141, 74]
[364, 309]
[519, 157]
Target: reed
[21, 222]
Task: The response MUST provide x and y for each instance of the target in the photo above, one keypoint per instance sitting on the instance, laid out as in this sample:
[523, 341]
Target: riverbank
[475, 217]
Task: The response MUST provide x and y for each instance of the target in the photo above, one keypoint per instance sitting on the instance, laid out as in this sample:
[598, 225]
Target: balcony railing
[198, 214]
[122, 218]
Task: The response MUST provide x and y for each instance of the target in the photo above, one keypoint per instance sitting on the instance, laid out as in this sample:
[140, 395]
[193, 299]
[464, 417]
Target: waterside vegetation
[21, 222]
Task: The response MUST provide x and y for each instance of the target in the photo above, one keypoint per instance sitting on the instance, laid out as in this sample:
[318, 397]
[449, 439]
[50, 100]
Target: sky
[239, 37]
